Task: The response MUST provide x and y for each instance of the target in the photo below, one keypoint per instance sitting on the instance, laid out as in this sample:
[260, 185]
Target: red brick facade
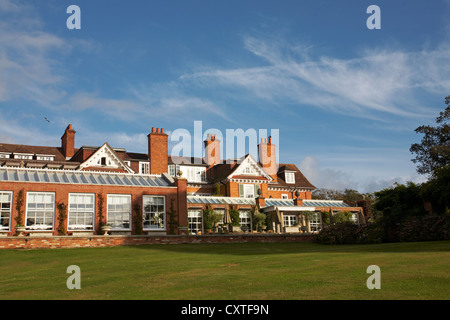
[177, 194]
[246, 184]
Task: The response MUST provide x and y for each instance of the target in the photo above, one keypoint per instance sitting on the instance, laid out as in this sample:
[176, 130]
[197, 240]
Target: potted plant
[235, 224]
[105, 229]
[20, 230]
[259, 220]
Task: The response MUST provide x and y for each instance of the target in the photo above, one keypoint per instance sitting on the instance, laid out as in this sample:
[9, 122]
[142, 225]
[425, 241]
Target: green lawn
[230, 271]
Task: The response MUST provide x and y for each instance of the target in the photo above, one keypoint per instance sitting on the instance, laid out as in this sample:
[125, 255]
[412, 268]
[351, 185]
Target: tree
[437, 190]
[434, 150]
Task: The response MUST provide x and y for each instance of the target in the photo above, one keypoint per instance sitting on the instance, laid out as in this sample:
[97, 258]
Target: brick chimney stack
[158, 151]
[68, 142]
[267, 157]
[212, 150]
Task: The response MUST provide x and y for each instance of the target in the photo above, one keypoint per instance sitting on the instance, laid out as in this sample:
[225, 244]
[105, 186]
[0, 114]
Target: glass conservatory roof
[81, 177]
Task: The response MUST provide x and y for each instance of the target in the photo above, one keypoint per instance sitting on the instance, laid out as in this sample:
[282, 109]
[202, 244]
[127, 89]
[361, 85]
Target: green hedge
[424, 228]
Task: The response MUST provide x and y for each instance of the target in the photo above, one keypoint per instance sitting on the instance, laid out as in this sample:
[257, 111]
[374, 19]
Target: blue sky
[345, 99]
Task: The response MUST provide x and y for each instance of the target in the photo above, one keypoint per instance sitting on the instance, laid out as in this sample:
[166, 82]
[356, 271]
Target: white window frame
[51, 210]
[245, 218]
[289, 220]
[4, 155]
[78, 210]
[249, 194]
[144, 167]
[315, 222]
[147, 210]
[195, 221]
[5, 210]
[23, 156]
[45, 157]
[194, 173]
[285, 196]
[109, 213]
[290, 177]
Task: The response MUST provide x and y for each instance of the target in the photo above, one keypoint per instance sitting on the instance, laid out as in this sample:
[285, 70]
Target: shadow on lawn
[261, 248]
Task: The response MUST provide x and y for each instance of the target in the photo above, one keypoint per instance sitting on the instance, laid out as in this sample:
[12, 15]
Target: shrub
[350, 233]
[338, 233]
[234, 214]
[259, 220]
[428, 228]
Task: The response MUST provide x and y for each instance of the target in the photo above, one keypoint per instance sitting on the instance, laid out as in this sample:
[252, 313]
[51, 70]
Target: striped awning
[81, 177]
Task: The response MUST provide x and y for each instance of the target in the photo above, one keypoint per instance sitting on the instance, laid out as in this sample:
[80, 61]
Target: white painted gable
[250, 167]
[105, 157]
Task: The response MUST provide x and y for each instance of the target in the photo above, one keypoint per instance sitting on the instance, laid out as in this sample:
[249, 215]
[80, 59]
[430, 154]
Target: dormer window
[144, 167]
[23, 156]
[45, 157]
[290, 177]
[103, 161]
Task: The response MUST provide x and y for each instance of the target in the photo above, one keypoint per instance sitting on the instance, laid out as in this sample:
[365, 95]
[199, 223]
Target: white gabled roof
[112, 160]
[249, 162]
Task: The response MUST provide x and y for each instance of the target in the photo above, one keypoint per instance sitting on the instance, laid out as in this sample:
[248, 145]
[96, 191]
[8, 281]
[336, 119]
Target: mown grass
[275, 271]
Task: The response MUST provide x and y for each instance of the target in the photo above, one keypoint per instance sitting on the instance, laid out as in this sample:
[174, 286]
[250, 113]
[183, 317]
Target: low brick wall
[110, 241]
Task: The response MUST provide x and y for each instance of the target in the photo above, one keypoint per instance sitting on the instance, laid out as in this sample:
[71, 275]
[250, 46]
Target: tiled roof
[18, 148]
[300, 179]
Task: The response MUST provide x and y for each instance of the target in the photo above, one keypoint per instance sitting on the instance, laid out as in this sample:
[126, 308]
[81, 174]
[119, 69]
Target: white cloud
[329, 178]
[374, 84]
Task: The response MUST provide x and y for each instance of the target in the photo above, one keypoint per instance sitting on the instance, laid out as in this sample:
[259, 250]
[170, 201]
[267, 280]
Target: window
[284, 196]
[154, 212]
[103, 161]
[249, 170]
[245, 219]
[194, 174]
[144, 167]
[354, 217]
[81, 211]
[173, 170]
[315, 223]
[45, 157]
[23, 156]
[249, 191]
[5, 209]
[290, 177]
[119, 211]
[195, 221]
[40, 210]
[4, 155]
[289, 220]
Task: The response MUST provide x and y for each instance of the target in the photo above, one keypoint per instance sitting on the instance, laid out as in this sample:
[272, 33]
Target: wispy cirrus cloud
[372, 84]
